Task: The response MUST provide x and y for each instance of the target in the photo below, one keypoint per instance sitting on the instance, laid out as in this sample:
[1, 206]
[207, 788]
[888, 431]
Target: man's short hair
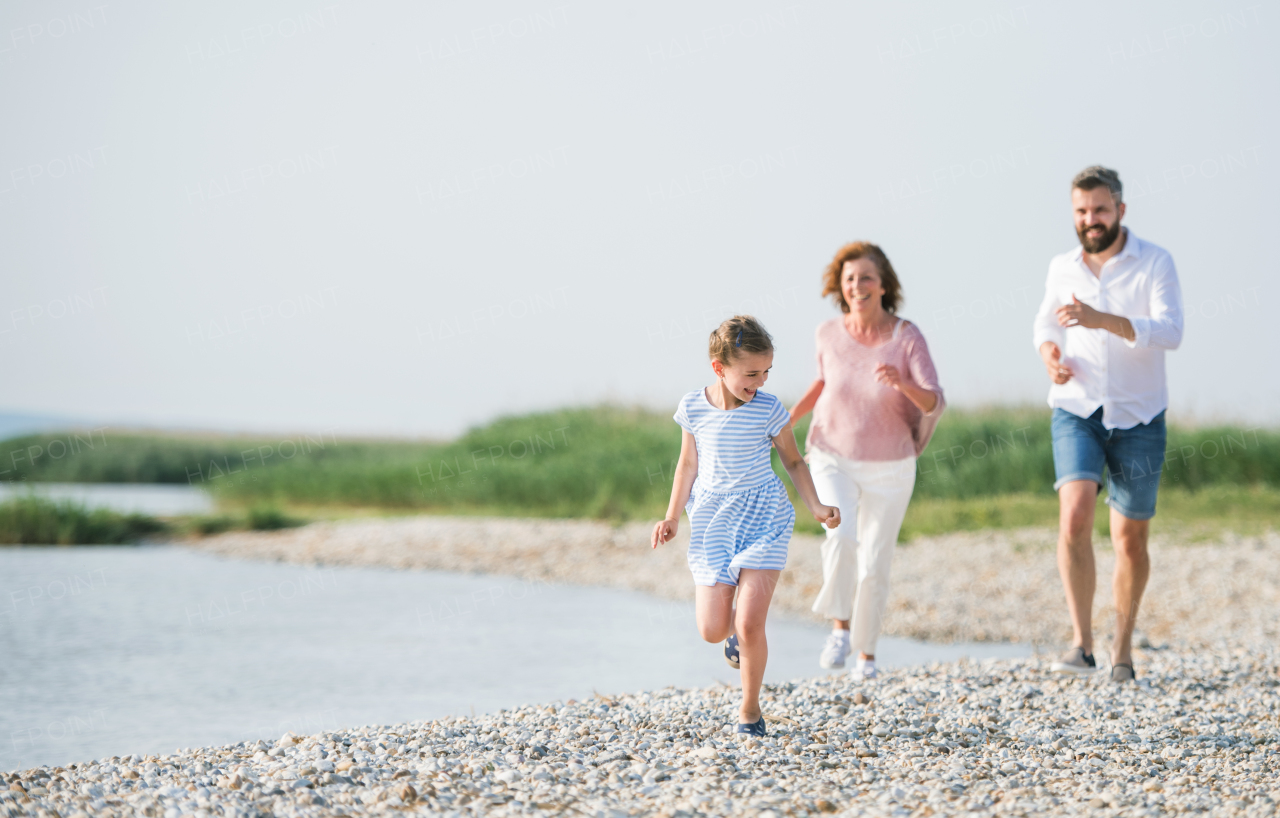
[1098, 176]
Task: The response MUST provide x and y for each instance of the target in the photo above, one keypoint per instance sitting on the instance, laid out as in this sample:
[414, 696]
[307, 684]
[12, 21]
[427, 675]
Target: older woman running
[875, 404]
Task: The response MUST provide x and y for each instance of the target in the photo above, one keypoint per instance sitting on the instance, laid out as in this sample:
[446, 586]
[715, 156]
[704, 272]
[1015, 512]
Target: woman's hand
[889, 375]
[665, 531]
[827, 515]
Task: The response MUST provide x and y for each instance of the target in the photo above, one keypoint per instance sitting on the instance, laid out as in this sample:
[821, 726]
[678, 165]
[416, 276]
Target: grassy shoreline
[988, 468]
[1199, 516]
[1207, 513]
[38, 521]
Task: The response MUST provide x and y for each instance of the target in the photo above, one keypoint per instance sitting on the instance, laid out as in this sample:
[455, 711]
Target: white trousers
[872, 497]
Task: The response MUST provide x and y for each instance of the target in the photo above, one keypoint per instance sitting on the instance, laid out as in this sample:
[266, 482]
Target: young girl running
[739, 513]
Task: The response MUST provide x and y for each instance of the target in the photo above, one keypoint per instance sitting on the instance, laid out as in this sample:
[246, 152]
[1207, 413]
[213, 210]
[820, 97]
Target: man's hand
[1080, 314]
[664, 531]
[1052, 356]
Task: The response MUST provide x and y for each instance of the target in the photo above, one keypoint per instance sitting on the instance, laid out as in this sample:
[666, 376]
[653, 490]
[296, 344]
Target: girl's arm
[785, 443]
[806, 404]
[686, 471]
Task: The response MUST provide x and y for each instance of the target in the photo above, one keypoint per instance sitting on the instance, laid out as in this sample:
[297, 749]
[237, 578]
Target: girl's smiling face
[744, 376]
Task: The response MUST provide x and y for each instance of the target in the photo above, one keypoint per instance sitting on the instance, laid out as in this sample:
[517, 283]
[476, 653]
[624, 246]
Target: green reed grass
[984, 467]
[32, 520]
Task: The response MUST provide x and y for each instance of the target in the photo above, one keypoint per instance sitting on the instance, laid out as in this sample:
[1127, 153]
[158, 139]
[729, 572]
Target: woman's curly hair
[892, 298]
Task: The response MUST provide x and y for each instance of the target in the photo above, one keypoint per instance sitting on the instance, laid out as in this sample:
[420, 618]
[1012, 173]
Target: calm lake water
[144, 498]
[117, 650]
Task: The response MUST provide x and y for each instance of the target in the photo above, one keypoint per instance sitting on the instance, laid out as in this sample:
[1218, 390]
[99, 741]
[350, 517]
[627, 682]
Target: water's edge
[142, 649]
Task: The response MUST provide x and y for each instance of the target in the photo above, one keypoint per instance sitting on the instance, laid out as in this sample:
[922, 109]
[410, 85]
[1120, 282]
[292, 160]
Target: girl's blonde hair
[739, 334]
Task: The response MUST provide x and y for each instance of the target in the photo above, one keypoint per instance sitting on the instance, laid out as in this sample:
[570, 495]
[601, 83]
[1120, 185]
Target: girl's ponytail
[738, 335]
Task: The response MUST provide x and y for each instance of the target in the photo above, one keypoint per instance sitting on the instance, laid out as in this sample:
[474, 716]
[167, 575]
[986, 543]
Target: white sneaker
[835, 649]
[865, 668]
[1075, 661]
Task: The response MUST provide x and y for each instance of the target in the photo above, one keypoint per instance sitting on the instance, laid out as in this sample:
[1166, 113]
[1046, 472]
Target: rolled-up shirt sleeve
[1045, 327]
[818, 344]
[923, 372]
[1162, 329]
[926, 376]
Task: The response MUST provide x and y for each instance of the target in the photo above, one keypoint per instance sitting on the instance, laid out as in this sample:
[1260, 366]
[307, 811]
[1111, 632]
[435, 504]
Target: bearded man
[1112, 306]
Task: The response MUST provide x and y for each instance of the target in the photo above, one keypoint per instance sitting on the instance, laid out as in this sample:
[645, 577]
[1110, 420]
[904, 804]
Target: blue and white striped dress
[739, 513]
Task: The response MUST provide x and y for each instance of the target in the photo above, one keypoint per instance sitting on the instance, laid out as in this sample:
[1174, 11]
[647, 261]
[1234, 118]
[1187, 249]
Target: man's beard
[1101, 243]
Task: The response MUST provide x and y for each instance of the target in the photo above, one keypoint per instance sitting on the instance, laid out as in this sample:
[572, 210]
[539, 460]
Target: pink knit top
[859, 419]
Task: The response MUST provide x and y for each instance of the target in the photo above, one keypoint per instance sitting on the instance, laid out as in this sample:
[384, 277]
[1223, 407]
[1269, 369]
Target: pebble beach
[1198, 732]
[984, 586]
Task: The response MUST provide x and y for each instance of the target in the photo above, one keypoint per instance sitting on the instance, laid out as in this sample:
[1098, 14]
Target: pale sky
[409, 218]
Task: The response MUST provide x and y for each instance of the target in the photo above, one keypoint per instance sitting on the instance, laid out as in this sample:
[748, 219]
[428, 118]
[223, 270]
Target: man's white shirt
[1125, 378]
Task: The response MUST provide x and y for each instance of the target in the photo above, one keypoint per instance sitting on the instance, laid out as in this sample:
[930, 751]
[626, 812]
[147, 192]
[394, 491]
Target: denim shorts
[1131, 458]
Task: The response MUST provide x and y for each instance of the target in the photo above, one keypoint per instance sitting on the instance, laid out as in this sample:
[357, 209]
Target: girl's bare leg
[715, 611]
[755, 592]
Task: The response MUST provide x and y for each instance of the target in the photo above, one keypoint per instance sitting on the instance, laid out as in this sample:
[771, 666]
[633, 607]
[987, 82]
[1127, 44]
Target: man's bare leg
[1133, 567]
[1077, 500]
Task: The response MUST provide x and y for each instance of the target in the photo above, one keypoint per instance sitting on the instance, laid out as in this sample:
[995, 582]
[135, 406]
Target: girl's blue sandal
[756, 729]
[731, 652]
